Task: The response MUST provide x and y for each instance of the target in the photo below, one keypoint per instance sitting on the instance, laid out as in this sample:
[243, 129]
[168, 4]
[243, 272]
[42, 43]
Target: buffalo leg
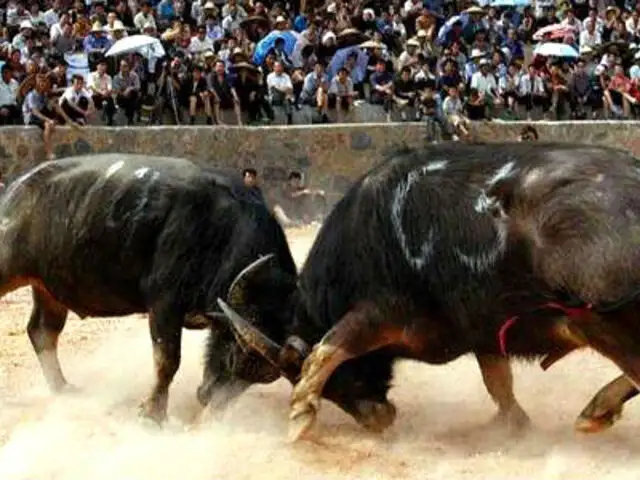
[605, 408]
[498, 379]
[619, 344]
[360, 331]
[47, 320]
[166, 338]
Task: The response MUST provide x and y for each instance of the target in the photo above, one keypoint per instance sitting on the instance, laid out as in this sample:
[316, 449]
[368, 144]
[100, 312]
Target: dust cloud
[441, 431]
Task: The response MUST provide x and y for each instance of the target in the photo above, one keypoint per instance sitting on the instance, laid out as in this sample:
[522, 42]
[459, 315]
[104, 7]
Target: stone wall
[330, 156]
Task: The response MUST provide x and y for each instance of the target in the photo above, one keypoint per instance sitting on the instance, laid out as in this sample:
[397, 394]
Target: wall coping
[343, 126]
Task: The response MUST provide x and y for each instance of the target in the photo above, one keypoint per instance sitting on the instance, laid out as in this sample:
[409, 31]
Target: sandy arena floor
[439, 433]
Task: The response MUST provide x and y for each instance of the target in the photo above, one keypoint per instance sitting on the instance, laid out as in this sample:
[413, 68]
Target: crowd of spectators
[443, 61]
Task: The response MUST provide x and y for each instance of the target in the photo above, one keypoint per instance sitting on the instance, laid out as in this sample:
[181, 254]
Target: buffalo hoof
[515, 420]
[68, 389]
[375, 416]
[150, 410]
[596, 422]
[301, 420]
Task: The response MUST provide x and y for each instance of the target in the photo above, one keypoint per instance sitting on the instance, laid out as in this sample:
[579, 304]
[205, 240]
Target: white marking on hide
[439, 165]
[141, 172]
[484, 261]
[483, 203]
[114, 168]
[400, 195]
[17, 183]
[504, 171]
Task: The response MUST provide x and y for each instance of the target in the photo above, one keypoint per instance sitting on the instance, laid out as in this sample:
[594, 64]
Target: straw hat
[118, 26]
[371, 44]
[413, 42]
[97, 28]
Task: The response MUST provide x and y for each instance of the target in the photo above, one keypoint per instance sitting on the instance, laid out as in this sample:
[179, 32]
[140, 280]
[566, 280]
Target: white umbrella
[551, 49]
[143, 44]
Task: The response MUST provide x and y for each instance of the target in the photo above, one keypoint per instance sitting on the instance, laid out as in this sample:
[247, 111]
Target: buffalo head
[281, 349]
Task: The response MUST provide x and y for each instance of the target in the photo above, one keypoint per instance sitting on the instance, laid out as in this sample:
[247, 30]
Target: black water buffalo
[118, 234]
[417, 261]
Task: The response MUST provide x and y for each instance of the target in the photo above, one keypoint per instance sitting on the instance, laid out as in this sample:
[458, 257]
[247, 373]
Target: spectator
[314, 91]
[281, 90]
[101, 87]
[225, 96]
[126, 86]
[9, 112]
[198, 95]
[250, 178]
[36, 111]
[341, 92]
[76, 101]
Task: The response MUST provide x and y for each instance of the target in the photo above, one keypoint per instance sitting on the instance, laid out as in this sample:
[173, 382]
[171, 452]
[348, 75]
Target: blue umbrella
[339, 59]
[444, 30]
[509, 3]
[267, 43]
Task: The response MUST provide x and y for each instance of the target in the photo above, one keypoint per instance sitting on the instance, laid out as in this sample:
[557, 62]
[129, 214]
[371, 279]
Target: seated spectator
[382, 87]
[280, 90]
[404, 93]
[428, 108]
[508, 87]
[315, 91]
[475, 107]
[101, 87]
[76, 101]
[579, 90]
[9, 112]
[225, 96]
[341, 93]
[252, 92]
[144, 16]
[36, 111]
[531, 91]
[126, 87]
[199, 97]
[617, 96]
[485, 83]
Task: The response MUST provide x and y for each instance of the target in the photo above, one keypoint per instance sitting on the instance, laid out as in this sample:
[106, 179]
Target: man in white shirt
[531, 91]
[9, 112]
[51, 16]
[100, 86]
[281, 90]
[485, 82]
[200, 43]
[76, 101]
[144, 17]
[590, 37]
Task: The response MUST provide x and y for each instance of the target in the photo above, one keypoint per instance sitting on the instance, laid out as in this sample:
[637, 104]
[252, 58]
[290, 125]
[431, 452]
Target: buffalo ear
[203, 320]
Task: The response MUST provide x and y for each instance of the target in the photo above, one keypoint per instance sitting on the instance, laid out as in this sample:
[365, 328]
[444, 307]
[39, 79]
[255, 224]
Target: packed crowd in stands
[441, 61]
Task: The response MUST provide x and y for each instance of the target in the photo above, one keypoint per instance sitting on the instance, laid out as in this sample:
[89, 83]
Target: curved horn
[247, 334]
[235, 295]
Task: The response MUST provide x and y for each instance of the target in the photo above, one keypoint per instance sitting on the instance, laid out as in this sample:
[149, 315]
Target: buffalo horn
[235, 296]
[251, 336]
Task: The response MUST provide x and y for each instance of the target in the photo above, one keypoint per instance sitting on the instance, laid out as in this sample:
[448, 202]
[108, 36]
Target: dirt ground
[440, 432]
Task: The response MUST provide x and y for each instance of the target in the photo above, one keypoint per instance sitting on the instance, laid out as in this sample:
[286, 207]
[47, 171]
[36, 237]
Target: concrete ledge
[330, 156]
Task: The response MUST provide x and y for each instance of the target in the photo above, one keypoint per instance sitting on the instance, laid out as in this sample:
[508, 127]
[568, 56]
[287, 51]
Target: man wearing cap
[96, 43]
[485, 82]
